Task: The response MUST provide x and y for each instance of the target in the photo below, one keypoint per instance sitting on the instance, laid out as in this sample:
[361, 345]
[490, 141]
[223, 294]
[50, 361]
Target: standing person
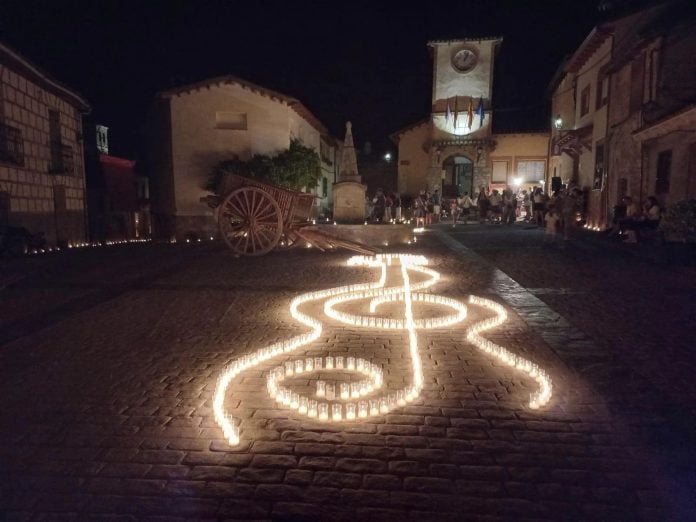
[483, 204]
[569, 204]
[526, 206]
[397, 206]
[419, 209]
[380, 203]
[455, 210]
[466, 204]
[552, 220]
[437, 205]
[508, 203]
[428, 208]
[538, 203]
[495, 200]
[388, 204]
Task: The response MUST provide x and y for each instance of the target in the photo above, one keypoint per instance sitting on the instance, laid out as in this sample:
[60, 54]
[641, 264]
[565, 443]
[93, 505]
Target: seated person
[648, 219]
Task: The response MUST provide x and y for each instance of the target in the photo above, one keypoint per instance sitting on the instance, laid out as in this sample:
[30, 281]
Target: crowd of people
[558, 213]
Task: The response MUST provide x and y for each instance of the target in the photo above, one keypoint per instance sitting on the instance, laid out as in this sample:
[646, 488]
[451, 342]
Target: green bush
[296, 168]
[678, 223]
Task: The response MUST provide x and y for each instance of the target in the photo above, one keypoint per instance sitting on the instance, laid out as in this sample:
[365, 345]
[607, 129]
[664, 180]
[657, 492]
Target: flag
[470, 113]
[480, 112]
[456, 112]
[448, 113]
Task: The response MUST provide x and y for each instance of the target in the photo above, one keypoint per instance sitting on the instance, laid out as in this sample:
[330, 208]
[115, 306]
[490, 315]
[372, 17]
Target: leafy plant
[679, 221]
[297, 167]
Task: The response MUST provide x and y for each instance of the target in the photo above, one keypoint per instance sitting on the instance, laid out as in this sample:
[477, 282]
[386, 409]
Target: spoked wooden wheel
[250, 221]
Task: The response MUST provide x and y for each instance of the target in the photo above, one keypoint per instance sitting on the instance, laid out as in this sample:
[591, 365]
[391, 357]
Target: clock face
[464, 60]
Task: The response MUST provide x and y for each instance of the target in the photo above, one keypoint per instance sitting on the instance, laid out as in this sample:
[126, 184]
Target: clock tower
[460, 115]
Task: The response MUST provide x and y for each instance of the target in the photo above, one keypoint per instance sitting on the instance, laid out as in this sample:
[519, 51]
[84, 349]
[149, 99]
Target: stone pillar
[349, 192]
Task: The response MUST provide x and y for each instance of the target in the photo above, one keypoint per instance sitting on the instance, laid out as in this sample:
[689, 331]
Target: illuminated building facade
[454, 149]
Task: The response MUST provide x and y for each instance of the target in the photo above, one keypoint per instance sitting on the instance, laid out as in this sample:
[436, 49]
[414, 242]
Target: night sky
[368, 62]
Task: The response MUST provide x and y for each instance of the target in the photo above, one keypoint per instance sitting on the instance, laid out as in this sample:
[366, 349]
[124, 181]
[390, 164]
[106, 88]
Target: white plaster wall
[587, 75]
[197, 144]
[413, 175]
[449, 82]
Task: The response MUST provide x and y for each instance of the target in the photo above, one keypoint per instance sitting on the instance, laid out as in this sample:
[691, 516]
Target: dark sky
[367, 63]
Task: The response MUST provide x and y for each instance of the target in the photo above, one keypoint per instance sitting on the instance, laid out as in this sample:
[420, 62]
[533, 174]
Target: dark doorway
[459, 176]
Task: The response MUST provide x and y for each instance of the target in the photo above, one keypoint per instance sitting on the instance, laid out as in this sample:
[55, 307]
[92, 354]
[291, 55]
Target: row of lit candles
[537, 399]
[74, 246]
[593, 228]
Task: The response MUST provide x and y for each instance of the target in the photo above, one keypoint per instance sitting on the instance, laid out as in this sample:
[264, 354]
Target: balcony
[62, 161]
[11, 145]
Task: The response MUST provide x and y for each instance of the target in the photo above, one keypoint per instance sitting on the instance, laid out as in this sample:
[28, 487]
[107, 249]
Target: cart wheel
[287, 240]
[250, 221]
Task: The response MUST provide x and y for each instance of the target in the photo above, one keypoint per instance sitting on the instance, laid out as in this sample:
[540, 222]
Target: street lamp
[387, 156]
[558, 122]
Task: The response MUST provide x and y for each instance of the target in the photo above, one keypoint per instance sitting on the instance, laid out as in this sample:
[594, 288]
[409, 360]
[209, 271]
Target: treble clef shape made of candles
[361, 399]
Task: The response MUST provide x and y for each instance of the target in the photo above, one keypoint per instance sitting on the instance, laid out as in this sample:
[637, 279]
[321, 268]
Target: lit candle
[330, 391]
[339, 362]
[362, 409]
[312, 408]
[350, 363]
[383, 405]
[329, 363]
[294, 400]
[303, 405]
[400, 400]
[317, 363]
[345, 391]
[336, 412]
[354, 390]
[299, 366]
[309, 364]
[289, 368]
[323, 411]
[321, 389]
[350, 411]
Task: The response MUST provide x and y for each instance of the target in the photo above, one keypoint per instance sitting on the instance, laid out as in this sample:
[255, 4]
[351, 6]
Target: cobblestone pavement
[106, 408]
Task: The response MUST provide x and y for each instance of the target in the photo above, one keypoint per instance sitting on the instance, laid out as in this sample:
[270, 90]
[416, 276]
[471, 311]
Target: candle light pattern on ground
[345, 401]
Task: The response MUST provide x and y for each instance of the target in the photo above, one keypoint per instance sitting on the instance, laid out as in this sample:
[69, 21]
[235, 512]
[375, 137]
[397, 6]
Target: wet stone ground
[108, 371]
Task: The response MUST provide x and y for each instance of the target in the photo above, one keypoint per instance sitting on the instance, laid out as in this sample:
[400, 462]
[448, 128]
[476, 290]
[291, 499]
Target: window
[531, 170]
[231, 120]
[651, 66]
[602, 92]
[11, 145]
[585, 100]
[324, 187]
[599, 167]
[61, 155]
[500, 171]
[664, 167]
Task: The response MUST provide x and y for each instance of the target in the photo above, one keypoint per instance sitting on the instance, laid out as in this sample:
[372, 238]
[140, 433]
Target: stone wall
[24, 106]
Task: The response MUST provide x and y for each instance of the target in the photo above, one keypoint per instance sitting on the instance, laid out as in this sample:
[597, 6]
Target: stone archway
[458, 176]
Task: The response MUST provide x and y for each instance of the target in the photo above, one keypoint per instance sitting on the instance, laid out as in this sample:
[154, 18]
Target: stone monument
[349, 192]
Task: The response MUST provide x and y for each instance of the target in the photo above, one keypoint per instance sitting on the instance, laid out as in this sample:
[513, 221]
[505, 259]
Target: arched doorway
[459, 176]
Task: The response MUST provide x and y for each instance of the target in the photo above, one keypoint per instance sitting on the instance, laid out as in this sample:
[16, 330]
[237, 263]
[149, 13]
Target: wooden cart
[254, 217]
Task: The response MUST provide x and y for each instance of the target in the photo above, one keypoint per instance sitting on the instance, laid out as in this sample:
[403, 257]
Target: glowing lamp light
[346, 406]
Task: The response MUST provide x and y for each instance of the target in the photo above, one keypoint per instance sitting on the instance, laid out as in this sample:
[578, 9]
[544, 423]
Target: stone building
[193, 127]
[624, 108]
[454, 149]
[42, 179]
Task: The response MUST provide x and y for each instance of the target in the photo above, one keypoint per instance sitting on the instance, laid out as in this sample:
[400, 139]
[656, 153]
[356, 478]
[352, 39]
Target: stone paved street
[108, 362]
